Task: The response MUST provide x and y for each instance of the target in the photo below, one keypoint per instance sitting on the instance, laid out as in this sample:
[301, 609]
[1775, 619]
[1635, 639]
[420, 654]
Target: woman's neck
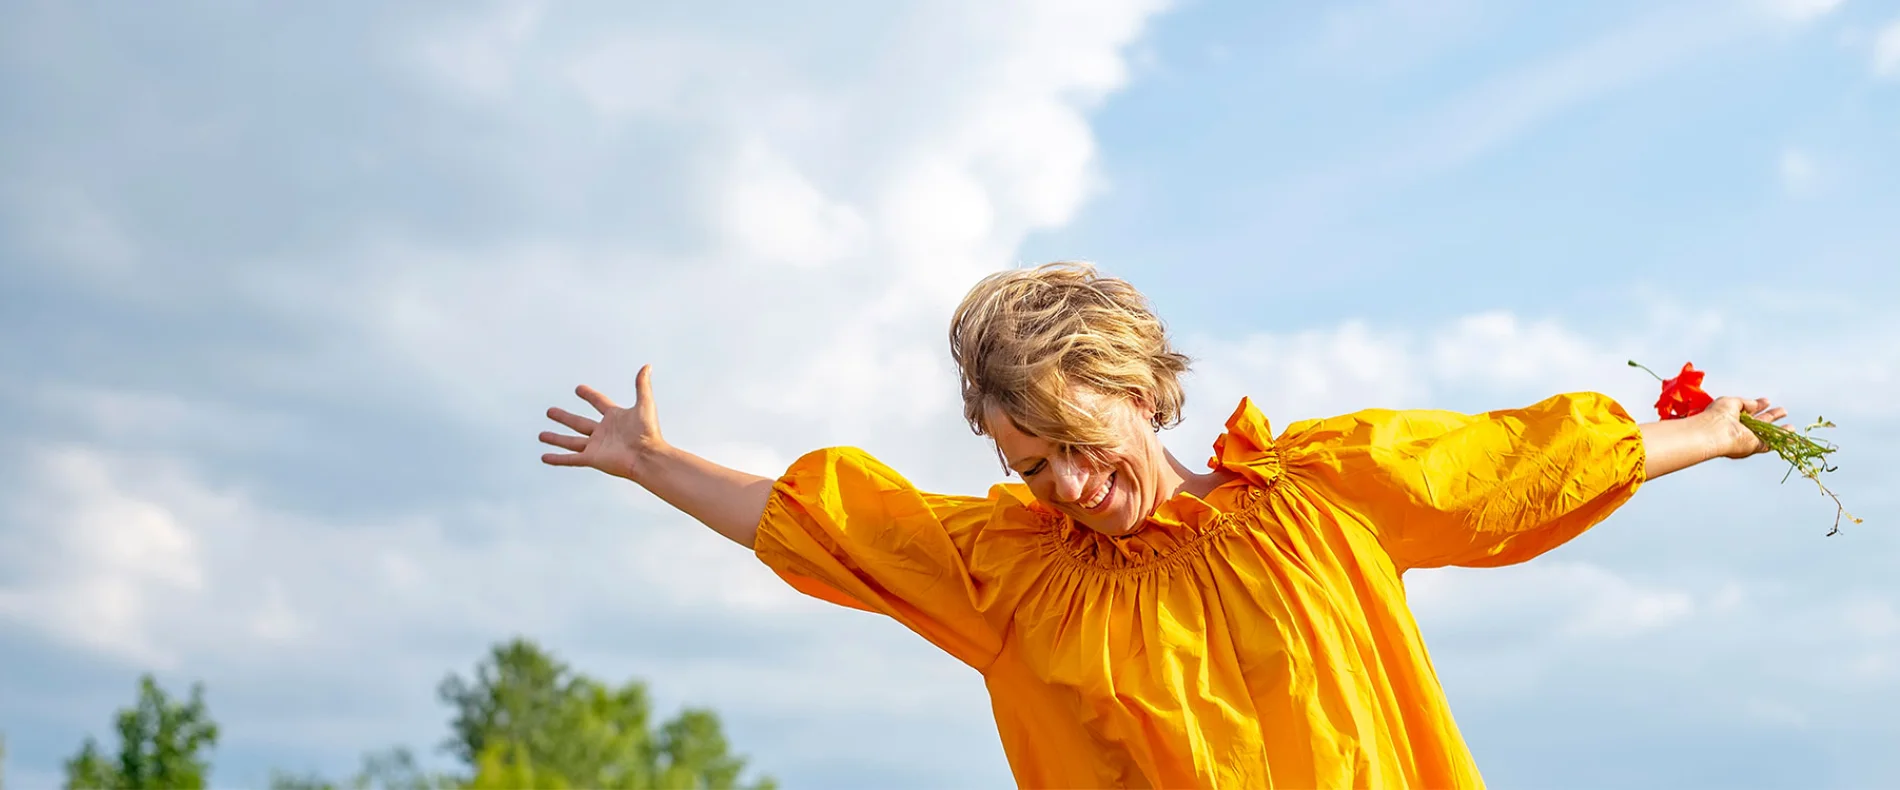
[1177, 477]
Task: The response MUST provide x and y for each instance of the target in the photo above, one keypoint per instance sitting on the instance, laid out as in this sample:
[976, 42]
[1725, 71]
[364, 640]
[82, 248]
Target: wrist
[648, 459]
[1727, 437]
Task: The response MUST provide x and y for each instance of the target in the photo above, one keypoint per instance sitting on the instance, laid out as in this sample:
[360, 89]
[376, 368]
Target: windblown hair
[1022, 337]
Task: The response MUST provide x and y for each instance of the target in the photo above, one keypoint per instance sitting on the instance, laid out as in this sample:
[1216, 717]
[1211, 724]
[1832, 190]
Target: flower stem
[1804, 454]
[1634, 364]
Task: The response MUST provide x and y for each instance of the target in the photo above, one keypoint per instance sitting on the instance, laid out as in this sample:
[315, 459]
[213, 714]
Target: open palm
[614, 443]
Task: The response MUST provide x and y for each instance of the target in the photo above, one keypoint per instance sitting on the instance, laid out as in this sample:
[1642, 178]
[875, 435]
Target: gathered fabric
[1255, 638]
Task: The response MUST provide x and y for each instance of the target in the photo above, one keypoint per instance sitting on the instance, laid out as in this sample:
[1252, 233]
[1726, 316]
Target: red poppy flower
[1683, 396]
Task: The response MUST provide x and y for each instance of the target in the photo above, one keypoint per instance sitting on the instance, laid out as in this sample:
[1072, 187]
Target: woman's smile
[1103, 498]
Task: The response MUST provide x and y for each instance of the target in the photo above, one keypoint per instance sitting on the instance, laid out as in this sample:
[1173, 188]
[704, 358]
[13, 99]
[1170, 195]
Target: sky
[285, 292]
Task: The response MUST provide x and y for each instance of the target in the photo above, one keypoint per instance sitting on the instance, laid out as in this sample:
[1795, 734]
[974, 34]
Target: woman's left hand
[1737, 441]
[1714, 432]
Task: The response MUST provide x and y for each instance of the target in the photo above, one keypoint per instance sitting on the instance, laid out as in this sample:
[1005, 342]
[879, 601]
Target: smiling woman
[1139, 624]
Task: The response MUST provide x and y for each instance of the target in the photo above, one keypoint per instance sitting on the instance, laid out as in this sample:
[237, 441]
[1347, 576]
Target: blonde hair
[1021, 338]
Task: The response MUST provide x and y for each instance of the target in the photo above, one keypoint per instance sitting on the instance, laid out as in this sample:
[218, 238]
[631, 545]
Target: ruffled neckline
[1185, 520]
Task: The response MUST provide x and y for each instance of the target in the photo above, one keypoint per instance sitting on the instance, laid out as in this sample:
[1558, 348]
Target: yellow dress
[1257, 638]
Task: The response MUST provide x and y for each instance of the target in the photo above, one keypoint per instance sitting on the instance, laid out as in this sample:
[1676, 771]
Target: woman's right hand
[626, 443]
[618, 442]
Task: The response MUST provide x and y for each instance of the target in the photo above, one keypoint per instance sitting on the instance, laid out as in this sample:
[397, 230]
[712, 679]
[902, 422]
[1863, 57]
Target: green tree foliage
[526, 720]
[392, 769]
[280, 780]
[161, 746]
[523, 720]
[693, 753]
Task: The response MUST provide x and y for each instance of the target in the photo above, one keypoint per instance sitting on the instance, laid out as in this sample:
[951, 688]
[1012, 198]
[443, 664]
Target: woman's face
[1112, 497]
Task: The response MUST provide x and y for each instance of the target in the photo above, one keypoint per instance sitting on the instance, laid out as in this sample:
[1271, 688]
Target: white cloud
[778, 216]
[91, 559]
[1887, 51]
[1873, 617]
[1873, 623]
[70, 228]
[902, 182]
[936, 210]
[275, 620]
[1802, 10]
[1387, 36]
[1497, 359]
[1505, 633]
[1798, 174]
[1549, 599]
[744, 455]
[1319, 372]
[645, 74]
[1501, 350]
[1305, 373]
[478, 56]
[139, 558]
[1775, 713]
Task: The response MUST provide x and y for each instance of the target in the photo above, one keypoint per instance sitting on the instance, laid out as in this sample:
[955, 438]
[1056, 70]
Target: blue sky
[284, 294]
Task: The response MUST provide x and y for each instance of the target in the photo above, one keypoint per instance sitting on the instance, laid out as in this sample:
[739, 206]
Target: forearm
[727, 500]
[1672, 445]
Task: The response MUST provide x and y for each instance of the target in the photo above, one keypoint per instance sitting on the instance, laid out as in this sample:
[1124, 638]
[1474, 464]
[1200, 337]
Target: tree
[527, 720]
[693, 752]
[161, 746]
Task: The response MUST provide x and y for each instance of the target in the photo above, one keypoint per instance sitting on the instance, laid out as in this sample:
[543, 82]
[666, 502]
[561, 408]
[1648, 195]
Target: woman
[1139, 623]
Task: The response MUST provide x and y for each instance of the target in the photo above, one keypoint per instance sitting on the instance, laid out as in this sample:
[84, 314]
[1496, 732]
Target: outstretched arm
[626, 442]
[1717, 432]
[1440, 488]
[845, 529]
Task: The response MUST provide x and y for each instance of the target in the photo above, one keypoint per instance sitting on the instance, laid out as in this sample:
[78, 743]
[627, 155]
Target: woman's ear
[1144, 406]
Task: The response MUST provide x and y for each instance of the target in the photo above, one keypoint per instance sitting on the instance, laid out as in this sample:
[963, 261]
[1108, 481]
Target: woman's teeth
[1100, 496]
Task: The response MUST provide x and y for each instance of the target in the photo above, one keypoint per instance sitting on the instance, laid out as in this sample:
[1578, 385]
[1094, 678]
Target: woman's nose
[1069, 479]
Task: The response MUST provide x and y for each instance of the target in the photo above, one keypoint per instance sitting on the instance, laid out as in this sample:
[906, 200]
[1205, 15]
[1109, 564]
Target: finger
[563, 441]
[595, 399]
[643, 394]
[581, 425]
[562, 459]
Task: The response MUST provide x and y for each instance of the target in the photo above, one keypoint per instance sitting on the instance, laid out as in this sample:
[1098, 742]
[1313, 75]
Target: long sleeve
[1441, 488]
[845, 528]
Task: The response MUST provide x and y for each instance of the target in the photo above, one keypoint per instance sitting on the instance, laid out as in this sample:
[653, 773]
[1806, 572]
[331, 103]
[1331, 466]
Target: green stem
[1634, 364]
[1803, 454]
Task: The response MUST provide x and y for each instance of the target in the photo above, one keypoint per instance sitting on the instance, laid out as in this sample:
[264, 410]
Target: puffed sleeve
[1442, 488]
[845, 528]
